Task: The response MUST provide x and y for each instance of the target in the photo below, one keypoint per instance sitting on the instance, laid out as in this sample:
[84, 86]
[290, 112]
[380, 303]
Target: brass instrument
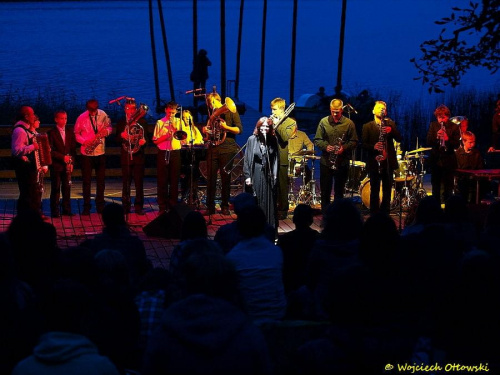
[277, 121]
[91, 146]
[218, 135]
[333, 158]
[69, 168]
[135, 131]
[382, 138]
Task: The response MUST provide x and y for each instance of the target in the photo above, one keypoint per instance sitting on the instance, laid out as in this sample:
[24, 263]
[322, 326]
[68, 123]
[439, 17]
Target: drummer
[299, 141]
[192, 151]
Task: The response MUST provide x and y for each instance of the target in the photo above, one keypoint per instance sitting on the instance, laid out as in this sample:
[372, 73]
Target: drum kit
[298, 170]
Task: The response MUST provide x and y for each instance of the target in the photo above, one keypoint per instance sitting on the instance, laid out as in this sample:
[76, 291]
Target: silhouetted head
[303, 216]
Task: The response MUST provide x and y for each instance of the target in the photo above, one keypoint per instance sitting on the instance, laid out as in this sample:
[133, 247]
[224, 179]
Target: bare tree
[469, 39]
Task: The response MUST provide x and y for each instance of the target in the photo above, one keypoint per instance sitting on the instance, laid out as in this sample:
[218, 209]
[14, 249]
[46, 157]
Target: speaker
[168, 224]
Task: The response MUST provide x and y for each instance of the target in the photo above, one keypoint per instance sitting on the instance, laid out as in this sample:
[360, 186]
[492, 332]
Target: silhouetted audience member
[490, 235]
[458, 218]
[34, 247]
[296, 246]
[116, 235]
[228, 235]
[259, 264]
[194, 226]
[65, 347]
[428, 212]
[18, 316]
[206, 332]
[336, 248]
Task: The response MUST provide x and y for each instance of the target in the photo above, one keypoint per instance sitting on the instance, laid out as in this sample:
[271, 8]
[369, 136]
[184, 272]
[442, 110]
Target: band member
[130, 133]
[220, 156]
[283, 130]
[23, 151]
[191, 157]
[444, 138]
[168, 159]
[261, 168]
[299, 141]
[91, 129]
[335, 136]
[63, 150]
[378, 141]
[468, 157]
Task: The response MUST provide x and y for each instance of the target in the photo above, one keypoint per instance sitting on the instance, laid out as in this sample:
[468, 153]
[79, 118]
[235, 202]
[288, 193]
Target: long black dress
[261, 166]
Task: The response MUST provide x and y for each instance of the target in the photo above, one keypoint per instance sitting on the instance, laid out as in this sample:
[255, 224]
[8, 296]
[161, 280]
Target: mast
[167, 55]
[262, 54]
[294, 45]
[223, 48]
[338, 88]
[238, 51]
[153, 51]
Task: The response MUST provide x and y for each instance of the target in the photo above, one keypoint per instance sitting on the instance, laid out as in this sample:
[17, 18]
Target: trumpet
[442, 142]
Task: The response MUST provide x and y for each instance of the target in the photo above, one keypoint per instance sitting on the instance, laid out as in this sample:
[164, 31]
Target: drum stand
[307, 192]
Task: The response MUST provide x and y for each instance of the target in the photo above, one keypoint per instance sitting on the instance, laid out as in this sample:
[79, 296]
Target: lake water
[102, 48]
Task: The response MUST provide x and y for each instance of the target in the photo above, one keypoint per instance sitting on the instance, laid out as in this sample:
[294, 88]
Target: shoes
[211, 211]
[55, 214]
[86, 212]
[99, 210]
[225, 211]
[68, 213]
[140, 212]
[45, 218]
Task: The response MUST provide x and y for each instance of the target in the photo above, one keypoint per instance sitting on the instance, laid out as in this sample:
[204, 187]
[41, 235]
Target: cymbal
[313, 157]
[416, 156]
[303, 153]
[422, 149]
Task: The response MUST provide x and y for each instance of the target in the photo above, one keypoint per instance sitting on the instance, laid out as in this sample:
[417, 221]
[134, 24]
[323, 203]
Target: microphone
[265, 138]
[190, 122]
[214, 89]
[195, 90]
[117, 99]
[352, 108]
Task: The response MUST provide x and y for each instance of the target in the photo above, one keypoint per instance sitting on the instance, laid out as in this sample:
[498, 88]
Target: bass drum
[365, 190]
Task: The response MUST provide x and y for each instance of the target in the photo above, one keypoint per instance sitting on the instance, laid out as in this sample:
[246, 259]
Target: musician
[283, 132]
[468, 157]
[23, 148]
[193, 143]
[91, 129]
[62, 142]
[495, 128]
[299, 141]
[221, 156]
[168, 158]
[131, 135]
[328, 133]
[442, 160]
[261, 168]
[378, 141]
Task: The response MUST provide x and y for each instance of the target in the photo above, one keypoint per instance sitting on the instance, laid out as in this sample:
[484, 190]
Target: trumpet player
[378, 138]
[62, 143]
[168, 158]
[221, 155]
[444, 138]
[131, 135]
[330, 131]
[283, 129]
[91, 129]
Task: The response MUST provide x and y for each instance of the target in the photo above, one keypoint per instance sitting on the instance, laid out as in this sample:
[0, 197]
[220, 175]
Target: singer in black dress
[261, 168]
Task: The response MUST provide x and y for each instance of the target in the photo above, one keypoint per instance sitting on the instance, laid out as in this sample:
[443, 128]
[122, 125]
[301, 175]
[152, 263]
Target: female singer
[261, 168]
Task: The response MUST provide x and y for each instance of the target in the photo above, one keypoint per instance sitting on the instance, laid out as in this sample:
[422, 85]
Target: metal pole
[338, 88]
[262, 54]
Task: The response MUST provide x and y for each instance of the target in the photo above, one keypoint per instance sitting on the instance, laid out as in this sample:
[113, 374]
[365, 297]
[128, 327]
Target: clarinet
[382, 138]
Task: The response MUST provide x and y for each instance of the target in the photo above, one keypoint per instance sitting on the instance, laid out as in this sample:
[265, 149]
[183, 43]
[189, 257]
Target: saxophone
[333, 158]
[91, 146]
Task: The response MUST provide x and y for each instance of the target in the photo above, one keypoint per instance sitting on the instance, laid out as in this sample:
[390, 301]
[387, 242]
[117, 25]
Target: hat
[336, 105]
[242, 200]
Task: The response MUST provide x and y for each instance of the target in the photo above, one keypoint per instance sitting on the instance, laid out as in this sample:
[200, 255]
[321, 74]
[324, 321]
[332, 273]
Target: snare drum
[404, 171]
[295, 168]
[365, 190]
[357, 173]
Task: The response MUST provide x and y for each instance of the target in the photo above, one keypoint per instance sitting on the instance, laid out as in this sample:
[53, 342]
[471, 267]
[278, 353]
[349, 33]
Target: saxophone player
[132, 138]
[221, 155]
[328, 133]
[91, 129]
[378, 142]
[168, 158]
